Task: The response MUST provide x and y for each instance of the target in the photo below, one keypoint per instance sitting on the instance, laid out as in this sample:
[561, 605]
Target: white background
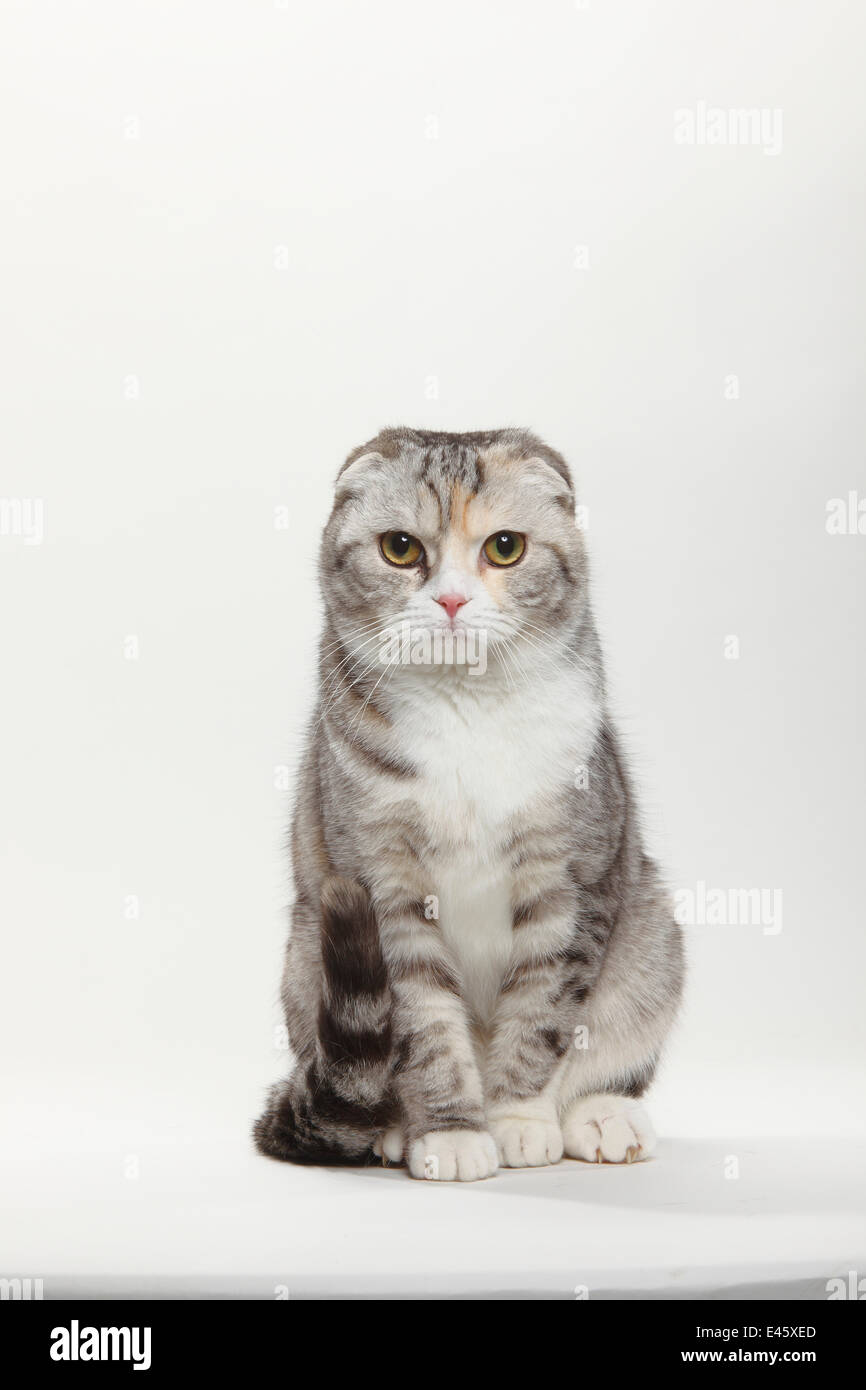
[238, 239]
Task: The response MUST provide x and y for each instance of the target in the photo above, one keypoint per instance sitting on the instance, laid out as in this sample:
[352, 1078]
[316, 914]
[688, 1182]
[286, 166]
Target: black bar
[229, 1337]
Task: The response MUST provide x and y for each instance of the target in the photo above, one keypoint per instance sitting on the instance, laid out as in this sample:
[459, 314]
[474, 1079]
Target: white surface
[185, 1208]
[240, 207]
[212, 1220]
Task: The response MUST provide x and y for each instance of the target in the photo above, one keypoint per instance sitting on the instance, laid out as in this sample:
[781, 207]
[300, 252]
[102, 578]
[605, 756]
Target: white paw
[390, 1145]
[607, 1129]
[526, 1142]
[453, 1155]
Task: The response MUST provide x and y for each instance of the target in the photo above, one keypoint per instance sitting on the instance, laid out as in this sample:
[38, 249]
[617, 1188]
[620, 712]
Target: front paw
[453, 1155]
[526, 1142]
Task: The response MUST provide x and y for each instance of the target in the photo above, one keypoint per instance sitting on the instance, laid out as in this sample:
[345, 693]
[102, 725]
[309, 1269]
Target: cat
[483, 962]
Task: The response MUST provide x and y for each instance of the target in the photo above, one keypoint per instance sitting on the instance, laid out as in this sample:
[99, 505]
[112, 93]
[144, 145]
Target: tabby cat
[483, 962]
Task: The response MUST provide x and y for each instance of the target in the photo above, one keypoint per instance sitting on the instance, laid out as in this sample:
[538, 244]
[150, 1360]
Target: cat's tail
[337, 1100]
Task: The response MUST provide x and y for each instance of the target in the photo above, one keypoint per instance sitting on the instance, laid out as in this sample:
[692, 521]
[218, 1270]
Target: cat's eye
[504, 547]
[399, 548]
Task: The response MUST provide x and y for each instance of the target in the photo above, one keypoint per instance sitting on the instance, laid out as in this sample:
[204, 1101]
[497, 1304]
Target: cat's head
[450, 533]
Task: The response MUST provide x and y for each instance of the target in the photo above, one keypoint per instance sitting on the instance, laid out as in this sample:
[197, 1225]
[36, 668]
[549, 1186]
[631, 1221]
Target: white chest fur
[483, 758]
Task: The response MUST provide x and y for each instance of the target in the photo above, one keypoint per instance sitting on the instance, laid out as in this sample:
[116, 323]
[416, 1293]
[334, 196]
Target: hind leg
[607, 1129]
[623, 1028]
[390, 1144]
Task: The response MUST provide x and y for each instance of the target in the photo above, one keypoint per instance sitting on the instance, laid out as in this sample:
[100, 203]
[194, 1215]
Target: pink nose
[451, 602]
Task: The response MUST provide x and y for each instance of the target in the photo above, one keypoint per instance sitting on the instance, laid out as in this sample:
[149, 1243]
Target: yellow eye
[505, 547]
[400, 548]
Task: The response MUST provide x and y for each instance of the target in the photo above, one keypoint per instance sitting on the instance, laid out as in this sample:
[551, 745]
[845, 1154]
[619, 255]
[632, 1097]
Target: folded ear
[365, 466]
[553, 477]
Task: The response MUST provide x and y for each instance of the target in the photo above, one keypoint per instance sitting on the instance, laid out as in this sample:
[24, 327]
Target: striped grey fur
[431, 794]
